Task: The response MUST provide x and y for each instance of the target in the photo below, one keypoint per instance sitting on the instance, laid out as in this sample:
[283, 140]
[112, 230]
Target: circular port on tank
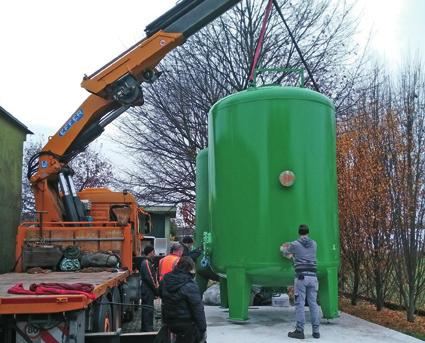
[287, 178]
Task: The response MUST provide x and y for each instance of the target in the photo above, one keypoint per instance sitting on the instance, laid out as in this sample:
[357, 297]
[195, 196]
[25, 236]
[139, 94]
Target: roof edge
[15, 121]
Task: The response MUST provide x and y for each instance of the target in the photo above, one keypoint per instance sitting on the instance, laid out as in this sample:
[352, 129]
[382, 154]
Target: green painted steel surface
[254, 135]
[204, 274]
[11, 142]
[202, 218]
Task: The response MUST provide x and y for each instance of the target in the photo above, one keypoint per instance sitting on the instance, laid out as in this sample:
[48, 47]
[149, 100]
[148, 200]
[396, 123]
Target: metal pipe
[112, 116]
[77, 202]
[71, 211]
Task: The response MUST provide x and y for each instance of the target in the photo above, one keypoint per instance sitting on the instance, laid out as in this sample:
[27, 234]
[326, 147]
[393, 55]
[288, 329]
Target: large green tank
[204, 272]
[255, 136]
[202, 216]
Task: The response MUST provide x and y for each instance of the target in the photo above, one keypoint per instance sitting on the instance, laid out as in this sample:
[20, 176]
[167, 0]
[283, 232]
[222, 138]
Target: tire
[103, 319]
[117, 309]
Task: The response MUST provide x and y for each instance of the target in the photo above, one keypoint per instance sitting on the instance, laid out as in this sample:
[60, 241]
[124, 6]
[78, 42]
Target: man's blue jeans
[307, 287]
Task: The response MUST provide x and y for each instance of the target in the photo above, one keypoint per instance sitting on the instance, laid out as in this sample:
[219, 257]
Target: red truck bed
[26, 304]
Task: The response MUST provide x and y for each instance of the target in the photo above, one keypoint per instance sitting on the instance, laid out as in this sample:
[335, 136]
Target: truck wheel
[103, 315]
[116, 309]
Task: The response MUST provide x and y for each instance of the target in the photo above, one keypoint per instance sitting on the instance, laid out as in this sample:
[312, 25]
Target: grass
[416, 335]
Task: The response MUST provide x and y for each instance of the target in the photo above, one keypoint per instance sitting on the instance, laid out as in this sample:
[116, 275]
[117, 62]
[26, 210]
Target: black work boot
[296, 334]
[316, 335]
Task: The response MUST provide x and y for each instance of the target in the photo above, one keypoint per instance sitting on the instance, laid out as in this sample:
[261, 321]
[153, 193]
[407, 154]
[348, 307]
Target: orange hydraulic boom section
[142, 60]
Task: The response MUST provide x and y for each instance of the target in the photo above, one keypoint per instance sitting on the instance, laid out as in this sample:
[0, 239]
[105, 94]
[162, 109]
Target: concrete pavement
[271, 325]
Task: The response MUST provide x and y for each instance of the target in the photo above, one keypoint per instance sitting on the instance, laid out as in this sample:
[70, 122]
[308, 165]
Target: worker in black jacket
[182, 308]
[187, 243]
[149, 288]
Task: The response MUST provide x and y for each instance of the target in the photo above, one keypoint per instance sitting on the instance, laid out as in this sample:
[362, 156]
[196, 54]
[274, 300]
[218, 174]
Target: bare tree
[364, 188]
[164, 136]
[380, 228]
[381, 166]
[27, 200]
[353, 196]
[406, 169]
[92, 170]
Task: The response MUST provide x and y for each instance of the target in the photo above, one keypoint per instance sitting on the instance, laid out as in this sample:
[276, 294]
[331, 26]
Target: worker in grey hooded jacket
[303, 253]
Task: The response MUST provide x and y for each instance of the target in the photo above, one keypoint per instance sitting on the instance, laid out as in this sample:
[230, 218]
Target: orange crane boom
[115, 88]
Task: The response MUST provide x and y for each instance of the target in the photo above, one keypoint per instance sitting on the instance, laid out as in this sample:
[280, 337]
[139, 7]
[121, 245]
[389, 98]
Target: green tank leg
[239, 293]
[224, 297]
[328, 293]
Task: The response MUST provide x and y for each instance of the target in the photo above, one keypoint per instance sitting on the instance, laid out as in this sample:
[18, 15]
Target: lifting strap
[260, 41]
[316, 86]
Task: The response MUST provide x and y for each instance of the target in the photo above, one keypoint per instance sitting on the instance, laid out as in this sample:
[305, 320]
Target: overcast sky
[47, 45]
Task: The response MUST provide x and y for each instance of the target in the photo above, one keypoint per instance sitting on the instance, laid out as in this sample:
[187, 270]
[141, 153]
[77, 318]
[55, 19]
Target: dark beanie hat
[187, 240]
[303, 229]
[148, 249]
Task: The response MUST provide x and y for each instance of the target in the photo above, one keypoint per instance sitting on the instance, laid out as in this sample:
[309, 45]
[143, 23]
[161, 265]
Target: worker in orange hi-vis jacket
[168, 263]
